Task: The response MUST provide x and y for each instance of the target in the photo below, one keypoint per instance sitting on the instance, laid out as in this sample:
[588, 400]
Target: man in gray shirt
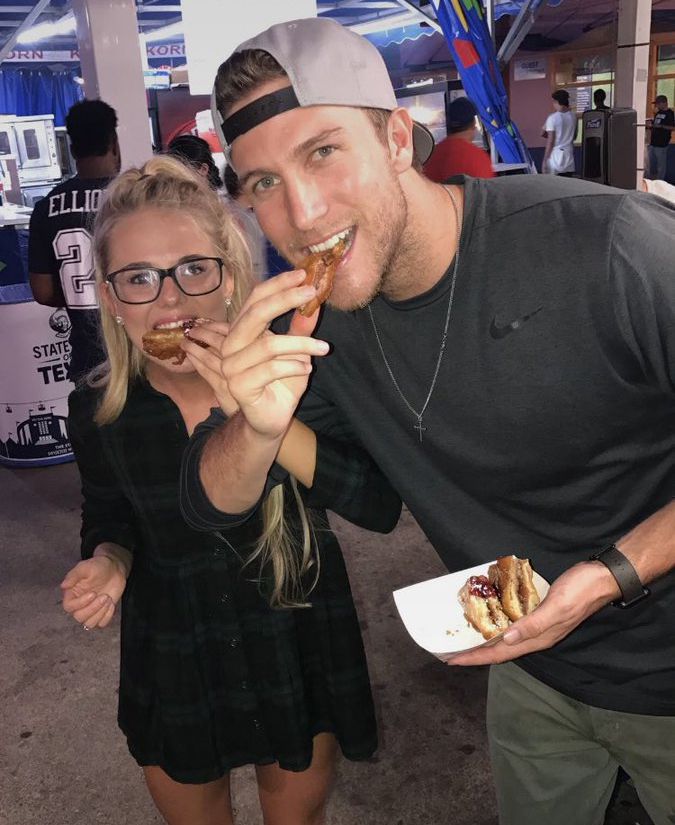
[505, 350]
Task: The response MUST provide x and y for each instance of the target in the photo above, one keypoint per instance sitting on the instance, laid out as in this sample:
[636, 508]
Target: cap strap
[258, 112]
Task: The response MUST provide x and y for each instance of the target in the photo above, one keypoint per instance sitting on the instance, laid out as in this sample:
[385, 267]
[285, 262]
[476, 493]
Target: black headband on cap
[258, 112]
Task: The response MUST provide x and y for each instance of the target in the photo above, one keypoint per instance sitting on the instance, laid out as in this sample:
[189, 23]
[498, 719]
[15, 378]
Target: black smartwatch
[632, 589]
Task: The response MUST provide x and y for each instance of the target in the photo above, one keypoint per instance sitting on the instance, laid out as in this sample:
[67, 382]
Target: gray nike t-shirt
[549, 433]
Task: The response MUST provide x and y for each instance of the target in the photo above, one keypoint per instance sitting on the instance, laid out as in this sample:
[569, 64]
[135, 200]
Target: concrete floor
[64, 762]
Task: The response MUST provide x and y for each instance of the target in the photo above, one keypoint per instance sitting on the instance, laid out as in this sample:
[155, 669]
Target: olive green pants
[555, 760]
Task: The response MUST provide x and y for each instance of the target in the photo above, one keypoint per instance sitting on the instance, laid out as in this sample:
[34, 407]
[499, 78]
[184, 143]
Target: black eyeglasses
[142, 284]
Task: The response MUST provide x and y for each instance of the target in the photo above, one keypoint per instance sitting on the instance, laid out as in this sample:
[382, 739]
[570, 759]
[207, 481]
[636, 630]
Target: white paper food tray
[433, 616]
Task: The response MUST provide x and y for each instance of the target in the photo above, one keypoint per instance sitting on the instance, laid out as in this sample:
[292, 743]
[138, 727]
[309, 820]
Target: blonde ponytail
[279, 549]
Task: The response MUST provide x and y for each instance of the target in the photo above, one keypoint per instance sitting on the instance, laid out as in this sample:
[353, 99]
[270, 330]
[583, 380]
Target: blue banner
[466, 32]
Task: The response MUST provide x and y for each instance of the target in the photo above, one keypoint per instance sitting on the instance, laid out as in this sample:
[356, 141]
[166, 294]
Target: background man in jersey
[516, 385]
[458, 154]
[59, 250]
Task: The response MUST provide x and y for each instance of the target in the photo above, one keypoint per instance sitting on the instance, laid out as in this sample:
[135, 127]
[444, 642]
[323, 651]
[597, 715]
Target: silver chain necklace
[419, 415]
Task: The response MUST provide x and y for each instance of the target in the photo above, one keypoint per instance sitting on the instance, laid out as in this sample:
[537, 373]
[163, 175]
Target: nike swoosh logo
[498, 331]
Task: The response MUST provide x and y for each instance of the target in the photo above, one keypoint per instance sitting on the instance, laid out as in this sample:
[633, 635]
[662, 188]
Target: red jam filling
[480, 586]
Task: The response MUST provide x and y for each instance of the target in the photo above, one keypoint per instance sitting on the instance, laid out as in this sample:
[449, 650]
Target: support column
[632, 66]
[110, 57]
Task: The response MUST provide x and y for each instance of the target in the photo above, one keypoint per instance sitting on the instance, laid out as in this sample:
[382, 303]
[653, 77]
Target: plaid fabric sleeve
[348, 482]
[196, 507]
[106, 513]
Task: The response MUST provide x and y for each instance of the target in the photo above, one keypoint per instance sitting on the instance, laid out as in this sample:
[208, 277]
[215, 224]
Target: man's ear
[400, 139]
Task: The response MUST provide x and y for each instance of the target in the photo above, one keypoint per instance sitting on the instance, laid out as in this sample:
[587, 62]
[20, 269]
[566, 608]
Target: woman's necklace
[419, 414]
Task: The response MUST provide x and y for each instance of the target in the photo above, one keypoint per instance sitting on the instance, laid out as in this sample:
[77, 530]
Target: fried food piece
[165, 343]
[482, 607]
[320, 268]
[512, 578]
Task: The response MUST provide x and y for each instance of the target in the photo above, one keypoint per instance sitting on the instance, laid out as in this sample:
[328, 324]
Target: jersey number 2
[73, 248]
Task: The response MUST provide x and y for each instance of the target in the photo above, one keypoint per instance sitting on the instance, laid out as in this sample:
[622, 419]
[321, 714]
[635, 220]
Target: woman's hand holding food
[93, 588]
[207, 360]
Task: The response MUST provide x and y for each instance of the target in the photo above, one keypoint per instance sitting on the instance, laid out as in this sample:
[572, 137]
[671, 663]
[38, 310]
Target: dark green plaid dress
[211, 677]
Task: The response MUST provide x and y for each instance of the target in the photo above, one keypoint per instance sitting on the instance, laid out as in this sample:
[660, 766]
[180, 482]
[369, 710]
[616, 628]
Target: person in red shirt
[457, 154]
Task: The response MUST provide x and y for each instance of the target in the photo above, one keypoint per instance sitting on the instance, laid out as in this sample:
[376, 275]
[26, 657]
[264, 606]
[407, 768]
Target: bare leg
[180, 804]
[292, 798]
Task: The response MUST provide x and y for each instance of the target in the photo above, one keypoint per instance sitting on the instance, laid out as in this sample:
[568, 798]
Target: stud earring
[228, 301]
[119, 320]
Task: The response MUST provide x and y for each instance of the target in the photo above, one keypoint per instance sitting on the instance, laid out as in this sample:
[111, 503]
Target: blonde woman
[236, 650]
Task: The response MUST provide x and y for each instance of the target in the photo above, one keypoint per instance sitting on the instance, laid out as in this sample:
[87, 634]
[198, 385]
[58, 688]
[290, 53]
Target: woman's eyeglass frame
[165, 273]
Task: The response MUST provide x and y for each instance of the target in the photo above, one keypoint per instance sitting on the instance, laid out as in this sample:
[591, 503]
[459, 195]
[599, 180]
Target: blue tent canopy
[399, 34]
[413, 31]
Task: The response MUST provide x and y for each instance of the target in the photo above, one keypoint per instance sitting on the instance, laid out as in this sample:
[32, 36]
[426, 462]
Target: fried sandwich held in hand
[320, 268]
[505, 595]
[165, 342]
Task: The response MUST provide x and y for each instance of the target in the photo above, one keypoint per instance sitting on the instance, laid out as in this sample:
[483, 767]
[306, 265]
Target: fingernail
[511, 636]
[103, 598]
[322, 346]
[90, 596]
[307, 292]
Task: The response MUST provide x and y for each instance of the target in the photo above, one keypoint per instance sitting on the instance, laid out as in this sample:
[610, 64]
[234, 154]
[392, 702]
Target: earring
[228, 301]
[119, 320]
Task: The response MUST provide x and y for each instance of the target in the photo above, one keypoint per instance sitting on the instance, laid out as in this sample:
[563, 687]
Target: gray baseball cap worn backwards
[327, 65]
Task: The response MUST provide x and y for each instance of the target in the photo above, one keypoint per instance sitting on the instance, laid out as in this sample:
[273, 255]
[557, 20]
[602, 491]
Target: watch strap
[632, 589]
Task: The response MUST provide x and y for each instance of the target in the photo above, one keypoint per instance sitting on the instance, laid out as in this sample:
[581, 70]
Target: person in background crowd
[560, 131]
[458, 154]
[196, 150]
[599, 97]
[504, 350]
[661, 126]
[238, 649]
[59, 243]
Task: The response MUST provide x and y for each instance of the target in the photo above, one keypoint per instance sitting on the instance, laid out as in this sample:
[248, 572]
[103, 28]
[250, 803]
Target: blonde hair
[166, 183]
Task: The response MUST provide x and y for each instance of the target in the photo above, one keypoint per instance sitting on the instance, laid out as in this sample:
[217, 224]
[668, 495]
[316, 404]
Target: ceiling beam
[150, 8]
[427, 18]
[28, 21]
[370, 5]
[159, 21]
[518, 31]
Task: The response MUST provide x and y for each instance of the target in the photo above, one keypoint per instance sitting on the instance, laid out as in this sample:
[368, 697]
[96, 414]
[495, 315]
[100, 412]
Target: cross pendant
[420, 429]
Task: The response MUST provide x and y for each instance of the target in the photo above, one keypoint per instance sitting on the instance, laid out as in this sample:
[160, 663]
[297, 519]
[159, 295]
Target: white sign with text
[530, 69]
